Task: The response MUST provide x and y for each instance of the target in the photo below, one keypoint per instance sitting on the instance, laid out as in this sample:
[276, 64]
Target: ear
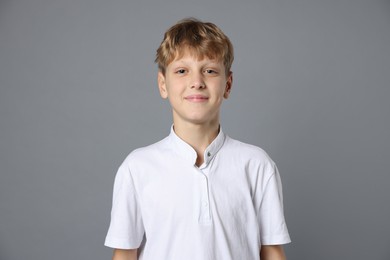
[161, 85]
[229, 84]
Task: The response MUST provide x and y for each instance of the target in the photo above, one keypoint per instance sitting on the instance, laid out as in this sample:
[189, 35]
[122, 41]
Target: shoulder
[247, 151]
[147, 153]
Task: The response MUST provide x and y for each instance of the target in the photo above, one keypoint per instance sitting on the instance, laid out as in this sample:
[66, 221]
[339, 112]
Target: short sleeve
[126, 229]
[273, 228]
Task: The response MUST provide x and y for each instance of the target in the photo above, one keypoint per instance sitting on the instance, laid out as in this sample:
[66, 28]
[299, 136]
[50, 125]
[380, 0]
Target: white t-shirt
[171, 209]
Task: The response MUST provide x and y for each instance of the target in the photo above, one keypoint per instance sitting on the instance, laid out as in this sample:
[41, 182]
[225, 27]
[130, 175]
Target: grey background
[78, 93]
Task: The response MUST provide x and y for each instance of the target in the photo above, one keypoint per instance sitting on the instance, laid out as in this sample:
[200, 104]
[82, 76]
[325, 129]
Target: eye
[210, 71]
[180, 71]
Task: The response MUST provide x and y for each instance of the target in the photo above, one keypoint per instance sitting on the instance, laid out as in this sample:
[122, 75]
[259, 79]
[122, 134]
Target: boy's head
[202, 39]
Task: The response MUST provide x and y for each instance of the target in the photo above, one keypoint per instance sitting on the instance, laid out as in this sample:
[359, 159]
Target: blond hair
[202, 39]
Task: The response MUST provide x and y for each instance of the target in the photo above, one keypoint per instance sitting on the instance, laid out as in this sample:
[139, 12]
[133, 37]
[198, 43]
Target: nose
[197, 81]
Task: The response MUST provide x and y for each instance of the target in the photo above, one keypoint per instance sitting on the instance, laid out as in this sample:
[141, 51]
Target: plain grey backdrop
[78, 93]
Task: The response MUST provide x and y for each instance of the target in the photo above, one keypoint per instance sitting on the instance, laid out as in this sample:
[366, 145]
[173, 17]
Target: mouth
[196, 98]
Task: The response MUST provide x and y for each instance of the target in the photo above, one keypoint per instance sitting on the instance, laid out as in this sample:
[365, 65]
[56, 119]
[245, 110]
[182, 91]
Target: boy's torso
[198, 211]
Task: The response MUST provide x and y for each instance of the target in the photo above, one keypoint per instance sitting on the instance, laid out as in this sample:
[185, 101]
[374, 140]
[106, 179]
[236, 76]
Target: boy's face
[195, 88]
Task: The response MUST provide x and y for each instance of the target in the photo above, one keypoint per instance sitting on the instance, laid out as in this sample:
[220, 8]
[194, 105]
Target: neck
[198, 136]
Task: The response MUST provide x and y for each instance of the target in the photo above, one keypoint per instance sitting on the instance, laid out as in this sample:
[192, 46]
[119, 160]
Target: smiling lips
[196, 98]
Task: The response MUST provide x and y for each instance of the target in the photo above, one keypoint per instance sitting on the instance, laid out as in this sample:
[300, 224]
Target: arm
[124, 254]
[274, 252]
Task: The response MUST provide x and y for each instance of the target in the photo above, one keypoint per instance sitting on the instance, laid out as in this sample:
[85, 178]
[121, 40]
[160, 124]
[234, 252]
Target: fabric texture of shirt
[171, 209]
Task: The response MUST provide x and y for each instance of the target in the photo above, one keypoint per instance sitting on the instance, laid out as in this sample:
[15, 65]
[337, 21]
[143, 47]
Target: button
[205, 203]
[208, 154]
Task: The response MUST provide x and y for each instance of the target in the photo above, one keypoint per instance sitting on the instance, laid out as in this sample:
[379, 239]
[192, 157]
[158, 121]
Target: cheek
[175, 85]
[222, 88]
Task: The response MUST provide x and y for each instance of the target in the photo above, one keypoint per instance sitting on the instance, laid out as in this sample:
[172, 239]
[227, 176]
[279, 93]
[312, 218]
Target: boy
[197, 194]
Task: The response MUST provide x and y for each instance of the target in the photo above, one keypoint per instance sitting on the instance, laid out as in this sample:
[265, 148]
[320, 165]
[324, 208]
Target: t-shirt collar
[186, 151]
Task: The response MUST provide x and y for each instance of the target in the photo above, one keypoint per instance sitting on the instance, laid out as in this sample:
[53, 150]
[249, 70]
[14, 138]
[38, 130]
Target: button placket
[204, 203]
[205, 211]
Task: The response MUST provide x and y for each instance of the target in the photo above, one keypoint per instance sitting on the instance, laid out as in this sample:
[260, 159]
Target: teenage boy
[197, 194]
